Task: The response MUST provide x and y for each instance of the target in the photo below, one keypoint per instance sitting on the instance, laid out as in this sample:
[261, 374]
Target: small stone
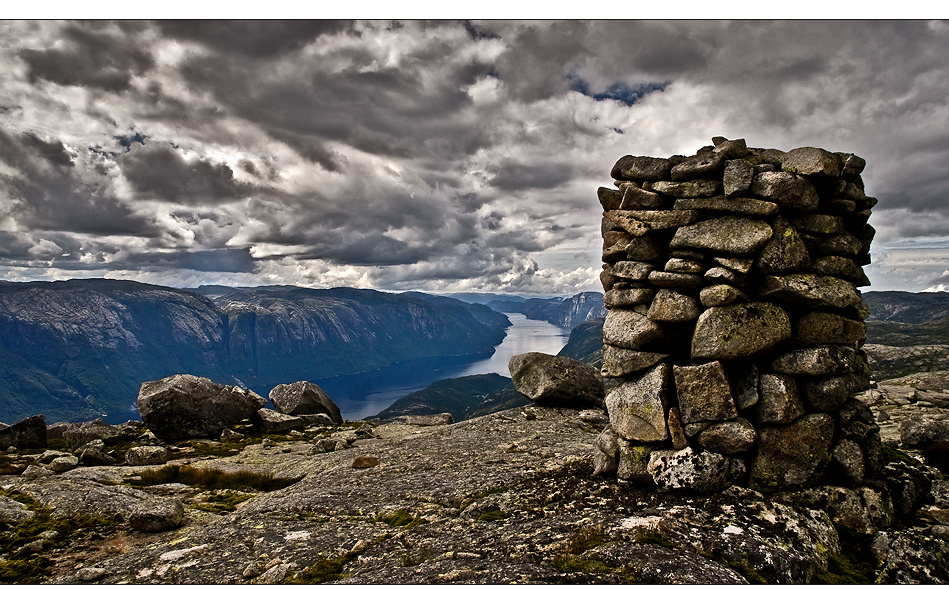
[64, 463]
[633, 463]
[610, 199]
[676, 430]
[721, 275]
[732, 149]
[682, 265]
[678, 281]
[739, 265]
[810, 290]
[820, 224]
[145, 456]
[628, 297]
[269, 421]
[645, 249]
[365, 461]
[721, 295]
[819, 361]
[791, 191]
[739, 330]
[618, 362]
[671, 306]
[653, 220]
[785, 252]
[704, 393]
[736, 205]
[632, 270]
[635, 198]
[793, 455]
[744, 383]
[605, 453]
[629, 329]
[157, 517]
[826, 395]
[689, 189]
[702, 165]
[809, 161]
[852, 165]
[848, 457]
[640, 168]
[637, 408]
[779, 401]
[437, 419]
[818, 327]
[730, 235]
[90, 573]
[703, 472]
[844, 268]
[728, 438]
[737, 178]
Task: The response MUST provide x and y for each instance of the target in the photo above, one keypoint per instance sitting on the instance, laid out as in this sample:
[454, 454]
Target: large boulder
[556, 381]
[184, 406]
[269, 421]
[29, 433]
[76, 435]
[304, 398]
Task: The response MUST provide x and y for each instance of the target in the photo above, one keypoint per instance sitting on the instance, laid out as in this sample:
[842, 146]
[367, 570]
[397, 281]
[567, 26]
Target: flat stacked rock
[735, 326]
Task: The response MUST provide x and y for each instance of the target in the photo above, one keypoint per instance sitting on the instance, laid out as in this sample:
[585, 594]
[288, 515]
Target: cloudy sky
[436, 156]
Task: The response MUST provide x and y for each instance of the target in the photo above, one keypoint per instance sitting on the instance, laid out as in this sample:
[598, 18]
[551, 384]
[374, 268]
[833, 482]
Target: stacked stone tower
[735, 326]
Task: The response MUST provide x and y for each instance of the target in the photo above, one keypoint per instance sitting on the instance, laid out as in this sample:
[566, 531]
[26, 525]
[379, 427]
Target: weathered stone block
[739, 330]
[637, 408]
[704, 393]
[730, 235]
[794, 455]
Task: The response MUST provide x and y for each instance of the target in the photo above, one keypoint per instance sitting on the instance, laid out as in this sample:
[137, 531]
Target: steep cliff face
[76, 349]
[566, 313]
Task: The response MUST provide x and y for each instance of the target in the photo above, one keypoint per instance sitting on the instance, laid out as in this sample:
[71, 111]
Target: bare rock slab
[556, 381]
[739, 330]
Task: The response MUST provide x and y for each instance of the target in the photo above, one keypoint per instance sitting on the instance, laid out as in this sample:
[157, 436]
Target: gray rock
[925, 434]
[683, 265]
[721, 275]
[794, 455]
[826, 395]
[848, 459]
[304, 398]
[728, 438]
[704, 393]
[146, 456]
[841, 244]
[64, 463]
[640, 168]
[680, 281]
[676, 429]
[820, 224]
[729, 235]
[29, 433]
[154, 517]
[819, 361]
[56, 430]
[791, 191]
[632, 270]
[93, 453]
[634, 462]
[629, 329]
[689, 189]
[844, 268]
[637, 408]
[628, 297]
[635, 198]
[269, 421]
[779, 402]
[671, 306]
[828, 328]
[13, 512]
[701, 165]
[737, 178]
[184, 406]
[36, 472]
[556, 381]
[852, 165]
[437, 419]
[731, 149]
[785, 252]
[644, 249]
[641, 222]
[721, 294]
[810, 290]
[736, 205]
[739, 265]
[808, 161]
[605, 453]
[703, 472]
[618, 362]
[610, 199]
[79, 434]
[740, 330]
[744, 380]
[626, 222]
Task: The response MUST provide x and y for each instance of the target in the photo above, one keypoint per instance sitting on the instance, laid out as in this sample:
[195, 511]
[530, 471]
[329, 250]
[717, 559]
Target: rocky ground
[504, 498]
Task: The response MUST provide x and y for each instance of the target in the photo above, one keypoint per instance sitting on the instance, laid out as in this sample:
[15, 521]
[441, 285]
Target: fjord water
[369, 393]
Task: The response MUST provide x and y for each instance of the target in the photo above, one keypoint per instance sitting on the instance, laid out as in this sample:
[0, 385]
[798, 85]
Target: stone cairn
[735, 326]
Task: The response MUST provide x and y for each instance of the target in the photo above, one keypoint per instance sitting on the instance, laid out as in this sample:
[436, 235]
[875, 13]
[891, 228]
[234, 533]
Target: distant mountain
[907, 307]
[559, 311]
[586, 343]
[77, 349]
[464, 397]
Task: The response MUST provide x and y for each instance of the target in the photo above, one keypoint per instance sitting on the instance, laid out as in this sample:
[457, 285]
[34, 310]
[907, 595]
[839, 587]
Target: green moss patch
[325, 569]
[401, 518]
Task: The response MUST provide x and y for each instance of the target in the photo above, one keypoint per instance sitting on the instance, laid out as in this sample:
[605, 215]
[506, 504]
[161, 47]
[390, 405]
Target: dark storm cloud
[160, 171]
[48, 193]
[514, 176]
[251, 38]
[89, 56]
